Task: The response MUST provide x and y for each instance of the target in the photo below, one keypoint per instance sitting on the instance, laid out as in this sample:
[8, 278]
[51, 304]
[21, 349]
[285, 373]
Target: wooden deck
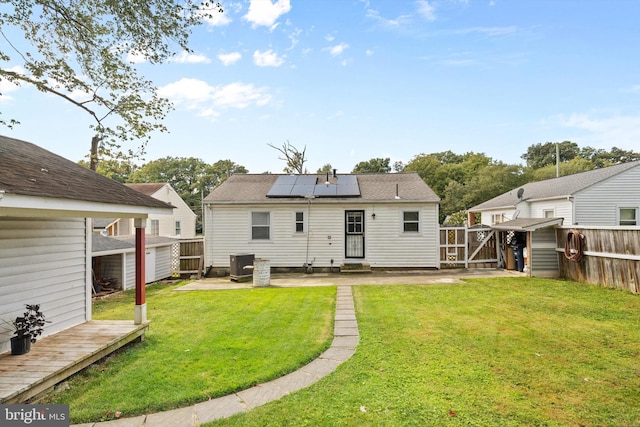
[54, 358]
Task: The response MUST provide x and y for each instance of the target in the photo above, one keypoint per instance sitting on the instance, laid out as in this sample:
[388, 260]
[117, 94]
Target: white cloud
[369, 52]
[7, 86]
[329, 38]
[190, 58]
[135, 57]
[211, 101]
[615, 130]
[216, 19]
[337, 49]
[426, 10]
[268, 58]
[265, 13]
[229, 58]
[398, 22]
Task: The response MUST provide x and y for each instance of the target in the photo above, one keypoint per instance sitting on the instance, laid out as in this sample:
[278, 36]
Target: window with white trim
[628, 216]
[178, 228]
[548, 213]
[496, 218]
[154, 227]
[411, 221]
[299, 222]
[260, 226]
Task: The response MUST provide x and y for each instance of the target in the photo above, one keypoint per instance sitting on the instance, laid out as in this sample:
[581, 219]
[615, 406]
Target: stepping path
[343, 346]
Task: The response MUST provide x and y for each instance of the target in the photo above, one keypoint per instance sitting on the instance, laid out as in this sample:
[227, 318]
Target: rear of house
[327, 221]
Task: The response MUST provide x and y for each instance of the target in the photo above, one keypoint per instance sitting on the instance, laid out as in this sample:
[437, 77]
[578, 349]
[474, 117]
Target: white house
[607, 197]
[324, 221]
[603, 197]
[180, 224]
[46, 206]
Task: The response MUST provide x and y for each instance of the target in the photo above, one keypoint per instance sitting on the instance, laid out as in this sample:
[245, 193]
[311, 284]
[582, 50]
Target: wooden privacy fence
[468, 247]
[609, 256]
[188, 257]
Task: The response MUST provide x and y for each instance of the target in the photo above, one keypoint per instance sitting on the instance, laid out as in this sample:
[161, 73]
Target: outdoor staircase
[355, 267]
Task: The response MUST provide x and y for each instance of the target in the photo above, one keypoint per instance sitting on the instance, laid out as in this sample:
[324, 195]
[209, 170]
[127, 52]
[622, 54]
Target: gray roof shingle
[556, 187]
[28, 170]
[253, 188]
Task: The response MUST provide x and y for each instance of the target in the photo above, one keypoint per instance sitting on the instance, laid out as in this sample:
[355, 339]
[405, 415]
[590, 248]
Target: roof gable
[563, 186]
[147, 188]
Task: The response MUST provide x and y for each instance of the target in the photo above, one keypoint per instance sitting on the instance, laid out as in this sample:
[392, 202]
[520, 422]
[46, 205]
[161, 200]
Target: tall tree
[295, 158]
[118, 170]
[372, 166]
[541, 155]
[78, 49]
[324, 169]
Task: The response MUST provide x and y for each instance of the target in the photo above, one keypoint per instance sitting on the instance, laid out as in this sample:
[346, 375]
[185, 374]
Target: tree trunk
[93, 157]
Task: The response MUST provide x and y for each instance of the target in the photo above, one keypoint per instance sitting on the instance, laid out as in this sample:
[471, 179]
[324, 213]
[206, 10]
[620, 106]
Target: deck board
[56, 357]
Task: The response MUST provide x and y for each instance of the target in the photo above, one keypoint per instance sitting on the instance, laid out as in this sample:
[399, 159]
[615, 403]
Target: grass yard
[491, 352]
[200, 345]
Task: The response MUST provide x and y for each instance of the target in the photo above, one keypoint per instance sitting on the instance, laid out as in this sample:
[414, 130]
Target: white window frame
[266, 226]
[546, 212]
[406, 221]
[177, 225]
[496, 218]
[154, 227]
[628, 222]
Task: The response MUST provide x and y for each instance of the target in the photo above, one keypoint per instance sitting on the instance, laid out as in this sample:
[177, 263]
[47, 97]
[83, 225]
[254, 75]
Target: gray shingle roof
[556, 187]
[28, 170]
[253, 188]
[147, 188]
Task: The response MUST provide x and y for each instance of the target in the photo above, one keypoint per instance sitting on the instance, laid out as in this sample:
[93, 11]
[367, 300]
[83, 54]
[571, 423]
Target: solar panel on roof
[308, 185]
[325, 190]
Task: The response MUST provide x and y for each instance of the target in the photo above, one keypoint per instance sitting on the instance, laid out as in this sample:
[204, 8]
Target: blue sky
[353, 80]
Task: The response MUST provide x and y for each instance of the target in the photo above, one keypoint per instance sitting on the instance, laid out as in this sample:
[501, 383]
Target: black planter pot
[20, 345]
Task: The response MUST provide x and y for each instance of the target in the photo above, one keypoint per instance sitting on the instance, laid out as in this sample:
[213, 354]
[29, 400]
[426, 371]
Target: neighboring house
[114, 258]
[603, 197]
[607, 197]
[46, 203]
[180, 224]
[327, 221]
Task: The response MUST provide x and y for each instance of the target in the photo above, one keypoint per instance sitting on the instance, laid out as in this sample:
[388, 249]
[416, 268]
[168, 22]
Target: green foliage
[544, 155]
[118, 170]
[324, 169]
[78, 50]
[376, 165]
[575, 165]
[192, 178]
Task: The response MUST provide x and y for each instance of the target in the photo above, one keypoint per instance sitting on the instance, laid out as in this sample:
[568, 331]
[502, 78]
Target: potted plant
[27, 329]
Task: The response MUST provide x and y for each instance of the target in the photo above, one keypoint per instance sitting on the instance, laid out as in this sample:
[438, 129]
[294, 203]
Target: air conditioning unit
[237, 264]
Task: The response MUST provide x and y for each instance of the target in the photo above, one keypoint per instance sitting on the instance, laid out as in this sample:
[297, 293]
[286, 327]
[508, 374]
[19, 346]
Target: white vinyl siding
[229, 232]
[43, 261]
[543, 259]
[599, 204]
[560, 208]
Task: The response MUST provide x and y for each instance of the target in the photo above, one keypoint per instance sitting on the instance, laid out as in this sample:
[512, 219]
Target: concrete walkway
[345, 340]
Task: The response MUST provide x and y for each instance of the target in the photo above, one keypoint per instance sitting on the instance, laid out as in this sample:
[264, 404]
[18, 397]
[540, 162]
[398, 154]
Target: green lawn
[492, 352]
[489, 352]
[200, 345]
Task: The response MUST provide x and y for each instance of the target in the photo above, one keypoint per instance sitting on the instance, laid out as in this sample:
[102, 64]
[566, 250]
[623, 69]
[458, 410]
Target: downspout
[306, 259]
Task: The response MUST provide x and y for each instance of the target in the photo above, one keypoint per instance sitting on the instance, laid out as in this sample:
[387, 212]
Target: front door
[354, 234]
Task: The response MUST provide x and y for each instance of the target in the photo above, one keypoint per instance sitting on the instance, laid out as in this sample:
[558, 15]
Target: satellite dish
[516, 214]
[104, 233]
[520, 193]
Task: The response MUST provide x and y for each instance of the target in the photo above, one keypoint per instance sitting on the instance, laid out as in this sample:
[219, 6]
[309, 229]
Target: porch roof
[527, 224]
